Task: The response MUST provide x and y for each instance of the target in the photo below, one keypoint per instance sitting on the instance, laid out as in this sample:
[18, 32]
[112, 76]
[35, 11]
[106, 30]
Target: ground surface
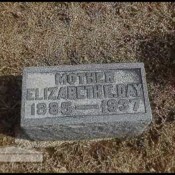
[39, 34]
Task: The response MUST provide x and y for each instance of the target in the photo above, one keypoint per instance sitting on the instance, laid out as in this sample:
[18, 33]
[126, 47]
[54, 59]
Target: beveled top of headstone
[84, 94]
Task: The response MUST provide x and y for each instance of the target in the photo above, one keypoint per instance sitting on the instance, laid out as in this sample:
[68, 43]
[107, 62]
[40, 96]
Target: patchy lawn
[42, 34]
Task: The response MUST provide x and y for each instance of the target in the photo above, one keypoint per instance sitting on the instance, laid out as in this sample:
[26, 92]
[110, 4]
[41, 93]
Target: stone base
[83, 134]
[22, 140]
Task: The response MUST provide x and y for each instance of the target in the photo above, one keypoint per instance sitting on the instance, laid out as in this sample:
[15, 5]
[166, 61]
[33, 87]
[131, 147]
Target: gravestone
[84, 101]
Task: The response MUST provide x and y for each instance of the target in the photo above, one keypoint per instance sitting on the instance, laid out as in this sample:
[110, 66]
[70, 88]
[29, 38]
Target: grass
[42, 34]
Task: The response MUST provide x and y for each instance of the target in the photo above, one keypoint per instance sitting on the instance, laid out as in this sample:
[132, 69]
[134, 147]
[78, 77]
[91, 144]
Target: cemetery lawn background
[47, 34]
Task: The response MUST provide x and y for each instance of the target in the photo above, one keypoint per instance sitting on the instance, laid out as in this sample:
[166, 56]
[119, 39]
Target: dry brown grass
[39, 34]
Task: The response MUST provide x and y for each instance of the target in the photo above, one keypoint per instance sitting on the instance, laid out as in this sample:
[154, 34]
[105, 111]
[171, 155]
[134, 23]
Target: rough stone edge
[25, 143]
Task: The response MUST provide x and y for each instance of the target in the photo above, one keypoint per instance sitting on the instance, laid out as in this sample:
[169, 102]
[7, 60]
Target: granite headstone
[85, 101]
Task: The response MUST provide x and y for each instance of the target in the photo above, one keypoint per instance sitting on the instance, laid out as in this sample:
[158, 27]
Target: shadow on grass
[10, 104]
[158, 54]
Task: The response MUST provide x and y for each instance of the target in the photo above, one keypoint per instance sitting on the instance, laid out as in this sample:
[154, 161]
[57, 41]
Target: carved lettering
[108, 91]
[72, 78]
[71, 90]
[90, 77]
[121, 90]
[74, 92]
[81, 77]
[138, 88]
[109, 76]
[98, 91]
[62, 93]
[30, 94]
[81, 89]
[89, 90]
[45, 93]
[37, 97]
[60, 79]
[52, 95]
[100, 77]
[131, 91]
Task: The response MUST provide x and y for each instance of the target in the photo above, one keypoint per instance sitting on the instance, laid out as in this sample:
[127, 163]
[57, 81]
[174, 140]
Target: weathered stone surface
[17, 154]
[85, 101]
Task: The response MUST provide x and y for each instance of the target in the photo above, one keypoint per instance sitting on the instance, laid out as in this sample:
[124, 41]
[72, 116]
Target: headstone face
[85, 101]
